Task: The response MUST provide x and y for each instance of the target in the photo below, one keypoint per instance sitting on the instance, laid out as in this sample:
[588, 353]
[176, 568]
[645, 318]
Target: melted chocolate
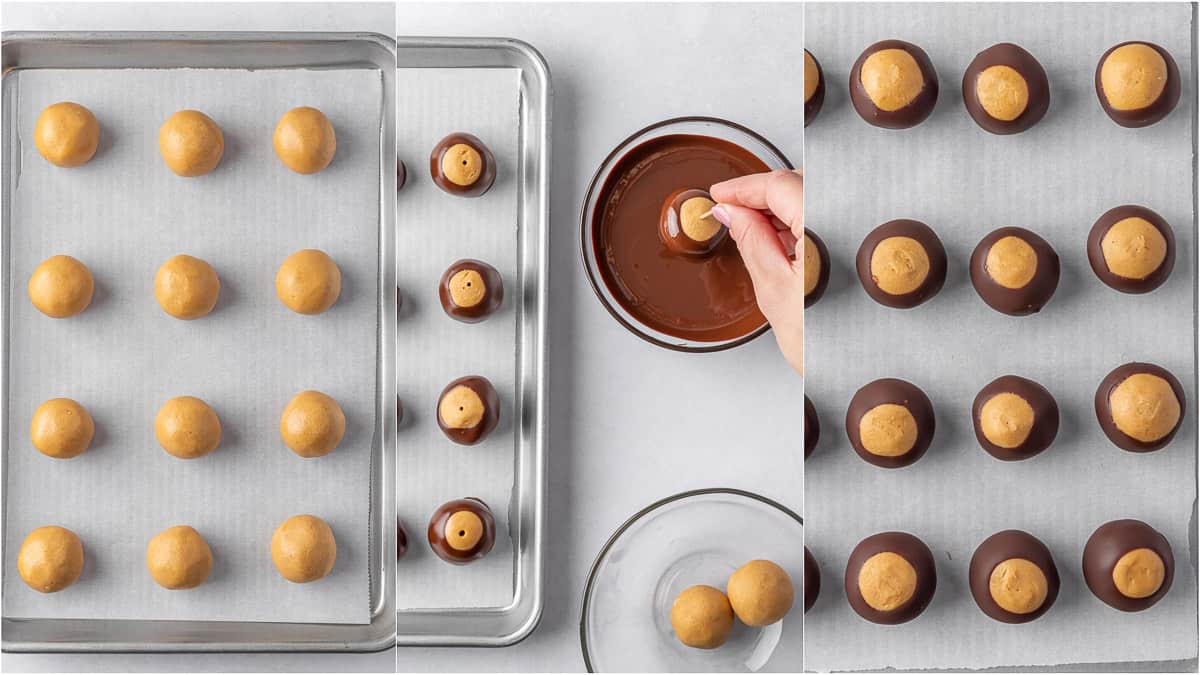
[812, 580]
[493, 292]
[822, 276]
[1030, 298]
[436, 533]
[910, 115]
[928, 240]
[705, 299]
[911, 549]
[1005, 546]
[1106, 546]
[813, 105]
[491, 411]
[1013, 56]
[898, 392]
[812, 427]
[1045, 417]
[487, 174]
[1095, 249]
[1160, 108]
[1104, 406]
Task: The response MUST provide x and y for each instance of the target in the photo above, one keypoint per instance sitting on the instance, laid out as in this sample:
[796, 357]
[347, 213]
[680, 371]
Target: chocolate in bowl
[686, 303]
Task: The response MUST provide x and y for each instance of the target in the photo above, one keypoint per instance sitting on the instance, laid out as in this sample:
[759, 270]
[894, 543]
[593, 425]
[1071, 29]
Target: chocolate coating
[928, 240]
[1152, 113]
[910, 115]
[898, 392]
[813, 105]
[401, 540]
[487, 175]
[812, 580]
[911, 549]
[1105, 547]
[401, 174]
[491, 410]
[1013, 56]
[822, 276]
[1045, 417]
[1096, 252]
[812, 427]
[671, 234]
[493, 291]
[436, 532]
[1104, 406]
[1004, 546]
[399, 411]
[1030, 298]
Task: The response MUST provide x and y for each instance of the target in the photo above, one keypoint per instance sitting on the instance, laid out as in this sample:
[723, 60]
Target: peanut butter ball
[304, 140]
[890, 578]
[61, 428]
[66, 134]
[462, 165]
[470, 291]
[1140, 407]
[702, 617]
[312, 424]
[687, 226]
[1013, 577]
[1131, 249]
[893, 85]
[468, 410]
[308, 282]
[1014, 418]
[901, 264]
[462, 531]
[186, 287]
[61, 286]
[191, 143]
[50, 559]
[890, 423]
[178, 558]
[1005, 89]
[1128, 565]
[1137, 83]
[1014, 271]
[187, 428]
[303, 549]
[760, 593]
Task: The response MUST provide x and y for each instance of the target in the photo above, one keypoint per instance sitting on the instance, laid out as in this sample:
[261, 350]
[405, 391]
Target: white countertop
[613, 448]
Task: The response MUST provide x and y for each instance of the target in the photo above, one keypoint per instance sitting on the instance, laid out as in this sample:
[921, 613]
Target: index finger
[780, 192]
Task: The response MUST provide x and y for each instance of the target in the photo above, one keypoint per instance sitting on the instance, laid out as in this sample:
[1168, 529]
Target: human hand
[765, 216]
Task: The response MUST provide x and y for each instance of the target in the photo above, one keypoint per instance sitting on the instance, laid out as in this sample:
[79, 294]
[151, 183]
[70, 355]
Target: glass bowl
[699, 126]
[697, 537]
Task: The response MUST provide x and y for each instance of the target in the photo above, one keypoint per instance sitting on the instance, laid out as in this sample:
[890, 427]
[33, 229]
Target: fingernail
[721, 215]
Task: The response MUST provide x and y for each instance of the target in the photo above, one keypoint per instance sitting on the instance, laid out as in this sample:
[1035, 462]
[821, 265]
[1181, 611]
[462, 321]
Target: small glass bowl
[697, 537]
[699, 126]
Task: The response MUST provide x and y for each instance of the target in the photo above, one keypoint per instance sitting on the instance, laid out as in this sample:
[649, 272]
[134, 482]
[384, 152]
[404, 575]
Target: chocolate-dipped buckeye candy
[468, 410]
[401, 174]
[1139, 406]
[893, 85]
[890, 578]
[901, 264]
[1014, 418]
[401, 540]
[1137, 83]
[1005, 89]
[1131, 249]
[814, 87]
[462, 165]
[687, 226]
[462, 531]
[470, 291]
[812, 580]
[1128, 565]
[1014, 271]
[890, 423]
[812, 427]
[1013, 577]
[816, 268]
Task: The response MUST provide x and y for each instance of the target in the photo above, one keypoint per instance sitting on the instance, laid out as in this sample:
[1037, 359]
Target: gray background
[1055, 179]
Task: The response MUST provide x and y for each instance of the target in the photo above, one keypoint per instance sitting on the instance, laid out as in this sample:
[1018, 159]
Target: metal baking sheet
[247, 358]
[497, 600]
[1054, 179]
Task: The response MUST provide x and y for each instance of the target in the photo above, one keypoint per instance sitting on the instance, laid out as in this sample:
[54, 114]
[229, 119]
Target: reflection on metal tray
[504, 623]
[25, 51]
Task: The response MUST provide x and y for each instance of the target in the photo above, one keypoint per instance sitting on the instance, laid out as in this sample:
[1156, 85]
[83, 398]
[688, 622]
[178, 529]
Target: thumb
[758, 241]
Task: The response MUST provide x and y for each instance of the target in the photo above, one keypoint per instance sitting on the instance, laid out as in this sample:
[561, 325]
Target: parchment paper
[123, 214]
[434, 229]
[1055, 179]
